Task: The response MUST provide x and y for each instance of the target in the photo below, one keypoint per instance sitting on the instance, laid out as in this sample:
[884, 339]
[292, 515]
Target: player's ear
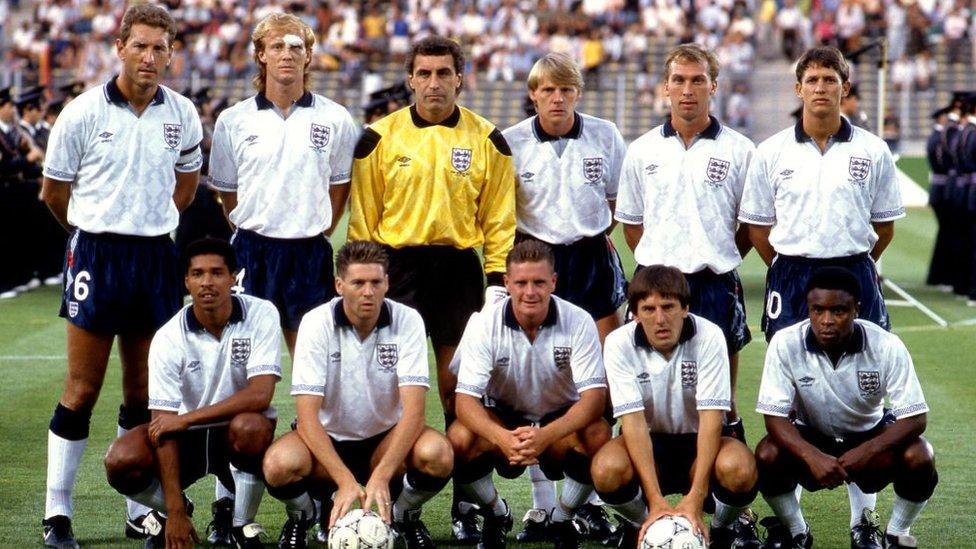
[796, 89]
[119, 46]
[338, 285]
[847, 88]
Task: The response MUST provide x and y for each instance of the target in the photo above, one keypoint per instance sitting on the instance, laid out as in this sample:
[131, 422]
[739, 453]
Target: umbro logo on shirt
[786, 174]
[403, 161]
[336, 356]
[650, 169]
[105, 136]
[251, 139]
[526, 176]
[503, 361]
[644, 377]
[806, 381]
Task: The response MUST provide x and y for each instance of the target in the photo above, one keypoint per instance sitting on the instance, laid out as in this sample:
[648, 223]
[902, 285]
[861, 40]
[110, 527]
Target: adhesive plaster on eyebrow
[293, 40]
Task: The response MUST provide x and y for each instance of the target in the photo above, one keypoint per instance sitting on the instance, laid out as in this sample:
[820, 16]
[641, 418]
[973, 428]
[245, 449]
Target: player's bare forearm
[585, 411]
[313, 434]
[759, 237]
[168, 458]
[612, 205]
[338, 194]
[473, 415]
[633, 427]
[56, 195]
[886, 232]
[186, 188]
[893, 436]
[788, 437]
[256, 397]
[633, 234]
[228, 200]
[708, 441]
[404, 435]
[742, 242]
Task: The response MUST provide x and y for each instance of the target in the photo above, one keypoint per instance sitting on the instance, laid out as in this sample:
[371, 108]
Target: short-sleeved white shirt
[686, 199]
[821, 205]
[359, 380]
[845, 399]
[562, 197]
[670, 392]
[281, 168]
[122, 166]
[534, 378]
[190, 369]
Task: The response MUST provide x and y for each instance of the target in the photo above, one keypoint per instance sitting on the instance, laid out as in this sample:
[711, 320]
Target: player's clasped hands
[827, 470]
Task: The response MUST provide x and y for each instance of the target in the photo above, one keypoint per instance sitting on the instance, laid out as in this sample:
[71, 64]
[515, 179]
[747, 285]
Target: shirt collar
[855, 344]
[552, 316]
[688, 331]
[574, 133]
[264, 103]
[115, 96]
[4, 127]
[450, 121]
[236, 315]
[341, 320]
[711, 132]
[843, 135]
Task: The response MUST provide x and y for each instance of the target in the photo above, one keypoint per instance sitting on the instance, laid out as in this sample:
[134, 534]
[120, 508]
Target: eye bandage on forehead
[292, 40]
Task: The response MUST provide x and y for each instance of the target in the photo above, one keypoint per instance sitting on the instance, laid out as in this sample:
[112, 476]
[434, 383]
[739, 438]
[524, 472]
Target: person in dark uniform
[940, 162]
[964, 151]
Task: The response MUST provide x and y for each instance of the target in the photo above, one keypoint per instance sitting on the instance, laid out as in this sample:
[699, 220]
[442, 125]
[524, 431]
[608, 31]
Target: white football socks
[247, 496]
[63, 458]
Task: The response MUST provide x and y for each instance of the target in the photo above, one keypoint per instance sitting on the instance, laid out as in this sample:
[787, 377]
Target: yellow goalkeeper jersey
[453, 184]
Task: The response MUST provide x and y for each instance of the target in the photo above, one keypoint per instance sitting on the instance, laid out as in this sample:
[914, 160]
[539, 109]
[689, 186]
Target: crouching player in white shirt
[531, 389]
[212, 373]
[669, 385]
[360, 382]
[835, 371]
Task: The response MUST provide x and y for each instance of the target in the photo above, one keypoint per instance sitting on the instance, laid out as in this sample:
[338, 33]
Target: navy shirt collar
[385, 319]
[450, 121]
[236, 315]
[116, 96]
[264, 103]
[711, 132]
[574, 133]
[843, 135]
[854, 344]
[552, 316]
[687, 332]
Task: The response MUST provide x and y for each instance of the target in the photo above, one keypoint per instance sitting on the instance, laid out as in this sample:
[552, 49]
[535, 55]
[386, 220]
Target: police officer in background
[940, 163]
[964, 153]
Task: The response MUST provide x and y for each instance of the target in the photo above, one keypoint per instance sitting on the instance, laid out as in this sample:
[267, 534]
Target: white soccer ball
[360, 529]
[671, 533]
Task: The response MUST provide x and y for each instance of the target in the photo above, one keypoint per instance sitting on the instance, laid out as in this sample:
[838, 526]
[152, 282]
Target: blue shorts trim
[120, 284]
[589, 274]
[785, 303]
[294, 274]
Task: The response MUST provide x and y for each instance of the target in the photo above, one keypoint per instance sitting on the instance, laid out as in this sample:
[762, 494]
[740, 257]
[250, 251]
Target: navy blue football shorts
[294, 274]
[120, 284]
[589, 274]
[719, 299]
[786, 300]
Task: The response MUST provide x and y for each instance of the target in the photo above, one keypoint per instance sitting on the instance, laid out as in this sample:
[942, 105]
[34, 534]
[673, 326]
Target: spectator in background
[850, 25]
[954, 28]
[789, 22]
[593, 55]
[902, 73]
[738, 110]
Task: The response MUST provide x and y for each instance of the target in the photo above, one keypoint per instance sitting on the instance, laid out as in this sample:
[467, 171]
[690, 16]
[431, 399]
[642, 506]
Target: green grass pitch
[32, 372]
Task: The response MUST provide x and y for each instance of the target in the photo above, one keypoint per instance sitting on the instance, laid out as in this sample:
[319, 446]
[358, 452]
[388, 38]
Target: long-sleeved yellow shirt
[451, 184]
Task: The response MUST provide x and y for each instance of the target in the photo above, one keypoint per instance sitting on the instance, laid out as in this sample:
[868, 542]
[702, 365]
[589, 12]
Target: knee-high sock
[151, 498]
[543, 489]
[859, 502]
[63, 458]
[787, 508]
[483, 492]
[418, 488]
[572, 495]
[903, 515]
[248, 489]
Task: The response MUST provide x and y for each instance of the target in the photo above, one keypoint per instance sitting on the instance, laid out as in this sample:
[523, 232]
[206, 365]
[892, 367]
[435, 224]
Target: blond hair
[692, 53]
[558, 67]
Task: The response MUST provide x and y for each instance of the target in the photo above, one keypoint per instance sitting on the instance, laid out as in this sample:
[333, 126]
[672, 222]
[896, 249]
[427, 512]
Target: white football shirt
[122, 166]
[686, 199]
[561, 195]
[845, 399]
[534, 378]
[669, 392]
[359, 380]
[281, 168]
[821, 205]
[189, 368]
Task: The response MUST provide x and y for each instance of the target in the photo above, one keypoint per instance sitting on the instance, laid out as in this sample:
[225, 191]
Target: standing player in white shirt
[669, 386]
[212, 373]
[360, 380]
[835, 372]
[281, 161]
[679, 197]
[567, 164]
[123, 161]
[531, 389]
[822, 192]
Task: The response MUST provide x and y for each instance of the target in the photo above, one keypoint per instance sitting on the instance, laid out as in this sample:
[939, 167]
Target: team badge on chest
[593, 169]
[859, 168]
[319, 135]
[461, 159]
[240, 350]
[386, 355]
[689, 374]
[172, 134]
[717, 170]
[561, 356]
[869, 383]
